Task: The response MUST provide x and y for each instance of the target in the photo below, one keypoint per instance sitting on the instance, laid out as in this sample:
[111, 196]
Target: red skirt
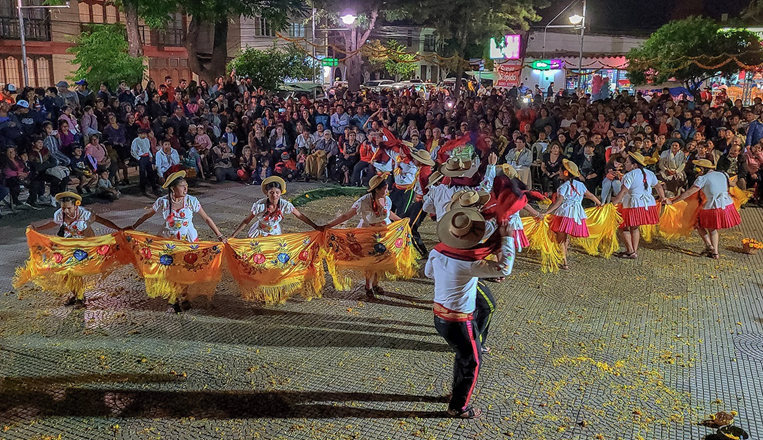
[569, 226]
[521, 239]
[719, 218]
[645, 215]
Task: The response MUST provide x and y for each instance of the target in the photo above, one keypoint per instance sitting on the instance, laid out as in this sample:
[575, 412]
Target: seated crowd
[57, 138]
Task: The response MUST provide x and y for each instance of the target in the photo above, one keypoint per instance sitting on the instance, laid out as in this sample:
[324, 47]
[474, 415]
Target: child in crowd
[83, 170]
[301, 158]
[105, 189]
[286, 167]
[263, 171]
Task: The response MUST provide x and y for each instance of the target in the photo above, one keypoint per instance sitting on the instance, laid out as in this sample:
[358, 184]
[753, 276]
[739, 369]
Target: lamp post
[20, 8]
[349, 20]
[578, 22]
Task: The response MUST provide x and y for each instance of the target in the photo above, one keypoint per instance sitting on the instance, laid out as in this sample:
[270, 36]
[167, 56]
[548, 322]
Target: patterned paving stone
[611, 348]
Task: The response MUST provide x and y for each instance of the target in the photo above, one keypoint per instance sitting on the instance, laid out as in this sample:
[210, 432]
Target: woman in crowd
[718, 211]
[672, 165]
[177, 209]
[270, 210]
[375, 209]
[639, 206]
[551, 167]
[348, 157]
[74, 221]
[568, 219]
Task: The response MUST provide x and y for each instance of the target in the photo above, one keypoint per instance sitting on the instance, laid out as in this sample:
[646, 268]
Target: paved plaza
[610, 349]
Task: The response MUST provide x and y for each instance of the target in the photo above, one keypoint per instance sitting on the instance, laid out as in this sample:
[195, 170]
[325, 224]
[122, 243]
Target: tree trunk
[135, 43]
[216, 66]
[352, 61]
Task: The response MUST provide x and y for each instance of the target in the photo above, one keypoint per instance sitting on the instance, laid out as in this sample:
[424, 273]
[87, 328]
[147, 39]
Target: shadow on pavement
[81, 402]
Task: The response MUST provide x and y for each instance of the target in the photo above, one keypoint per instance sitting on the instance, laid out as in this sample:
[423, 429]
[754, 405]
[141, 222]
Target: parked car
[377, 84]
[297, 89]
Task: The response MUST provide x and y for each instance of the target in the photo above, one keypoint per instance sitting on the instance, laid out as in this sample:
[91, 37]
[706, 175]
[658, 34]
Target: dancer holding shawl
[568, 219]
[177, 209]
[270, 211]
[456, 264]
[74, 221]
[639, 206]
[375, 209]
[719, 211]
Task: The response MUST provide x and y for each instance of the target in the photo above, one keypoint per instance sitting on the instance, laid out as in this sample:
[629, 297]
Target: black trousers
[401, 201]
[462, 337]
[483, 312]
[417, 216]
[147, 174]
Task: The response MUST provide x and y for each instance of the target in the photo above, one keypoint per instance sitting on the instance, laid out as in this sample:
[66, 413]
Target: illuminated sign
[509, 50]
[546, 64]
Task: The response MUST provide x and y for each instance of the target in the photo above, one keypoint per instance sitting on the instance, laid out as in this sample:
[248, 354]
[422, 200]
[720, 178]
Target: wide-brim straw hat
[638, 157]
[704, 163]
[461, 228]
[434, 178]
[469, 198]
[68, 195]
[571, 167]
[422, 156]
[376, 181]
[270, 180]
[455, 167]
[172, 177]
[509, 171]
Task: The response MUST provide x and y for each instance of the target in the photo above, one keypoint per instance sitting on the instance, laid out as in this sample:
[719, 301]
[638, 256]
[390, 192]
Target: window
[42, 72]
[297, 30]
[39, 67]
[11, 66]
[97, 13]
[262, 28]
[430, 43]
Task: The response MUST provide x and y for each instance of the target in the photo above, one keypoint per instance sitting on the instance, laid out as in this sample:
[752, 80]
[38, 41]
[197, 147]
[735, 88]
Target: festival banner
[508, 74]
[70, 265]
[271, 269]
[172, 268]
[354, 254]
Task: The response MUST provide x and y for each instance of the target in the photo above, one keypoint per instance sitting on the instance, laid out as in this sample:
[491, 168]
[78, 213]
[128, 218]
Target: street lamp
[348, 19]
[20, 8]
[577, 22]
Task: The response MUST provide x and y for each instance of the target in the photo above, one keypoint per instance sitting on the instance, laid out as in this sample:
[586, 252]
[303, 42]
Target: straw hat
[571, 167]
[509, 171]
[704, 163]
[174, 176]
[68, 195]
[376, 181]
[638, 157]
[461, 228]
[272, 179]
[455, 167]
[469, 198]
[422, 156]
[434, 178]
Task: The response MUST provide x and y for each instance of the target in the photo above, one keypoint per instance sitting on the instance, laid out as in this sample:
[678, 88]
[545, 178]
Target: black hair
[272, 185]
[176, 182]
[67, 199]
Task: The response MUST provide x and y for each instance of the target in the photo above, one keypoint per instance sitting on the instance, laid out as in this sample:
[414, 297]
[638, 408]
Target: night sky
[642, 16]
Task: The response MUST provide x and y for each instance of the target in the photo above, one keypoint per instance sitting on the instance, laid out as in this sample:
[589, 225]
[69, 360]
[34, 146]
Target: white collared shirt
[455, 281]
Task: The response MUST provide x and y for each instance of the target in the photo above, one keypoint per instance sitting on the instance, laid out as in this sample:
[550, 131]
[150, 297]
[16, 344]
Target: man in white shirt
[456, 266]
[141, 151]
[438, 197]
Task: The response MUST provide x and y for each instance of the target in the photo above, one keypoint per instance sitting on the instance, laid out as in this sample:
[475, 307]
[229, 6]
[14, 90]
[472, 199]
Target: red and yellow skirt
[640, 216]
[569, 226]
[719, 218]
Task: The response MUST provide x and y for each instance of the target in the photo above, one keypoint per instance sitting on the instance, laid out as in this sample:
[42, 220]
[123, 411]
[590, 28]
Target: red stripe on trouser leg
[470, 329]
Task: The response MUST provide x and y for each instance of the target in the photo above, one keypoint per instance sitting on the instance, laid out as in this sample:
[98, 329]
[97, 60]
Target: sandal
[378, 290]
[79, 304]
[370, 294]
[468, 413]
[486, 350]
[176, 308]
[715, 256]
[70, 302]
[565, 266]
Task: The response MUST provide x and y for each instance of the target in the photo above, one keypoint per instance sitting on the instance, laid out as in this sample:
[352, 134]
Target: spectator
[141, 151]
[339, 120]
[735, 166]
[223, 159]
[82, 169]
[167, 160]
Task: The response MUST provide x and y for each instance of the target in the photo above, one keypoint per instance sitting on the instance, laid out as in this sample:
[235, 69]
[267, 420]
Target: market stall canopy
[486, 75]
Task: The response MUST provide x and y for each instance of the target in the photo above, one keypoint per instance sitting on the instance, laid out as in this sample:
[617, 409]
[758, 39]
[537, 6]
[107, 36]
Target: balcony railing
[35, 29]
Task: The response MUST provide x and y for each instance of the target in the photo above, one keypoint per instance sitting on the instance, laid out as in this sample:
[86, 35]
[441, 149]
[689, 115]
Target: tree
[462, 23]
[399, 63]
[102, 55]
[269, 68]
[276, 12]
[691, 51]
